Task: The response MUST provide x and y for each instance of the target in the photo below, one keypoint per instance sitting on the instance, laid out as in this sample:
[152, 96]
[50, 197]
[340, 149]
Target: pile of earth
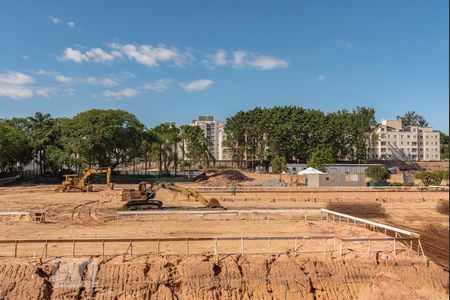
[226, 177]
[230, 277]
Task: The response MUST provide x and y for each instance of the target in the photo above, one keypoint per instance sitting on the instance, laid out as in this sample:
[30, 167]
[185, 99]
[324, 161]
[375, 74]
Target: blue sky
[175, 60]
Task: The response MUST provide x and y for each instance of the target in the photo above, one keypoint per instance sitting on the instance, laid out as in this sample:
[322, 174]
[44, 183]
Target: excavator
[73, 182]
[142, 199]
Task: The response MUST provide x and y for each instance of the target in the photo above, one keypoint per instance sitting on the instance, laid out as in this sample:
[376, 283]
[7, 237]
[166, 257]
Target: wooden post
[73, 248]
[45, 249]
[321, 216]
[15, 249]
[395, 246]
[420, 245]
[131, 248]
[252, 216]
[157, 247]
[103, 248]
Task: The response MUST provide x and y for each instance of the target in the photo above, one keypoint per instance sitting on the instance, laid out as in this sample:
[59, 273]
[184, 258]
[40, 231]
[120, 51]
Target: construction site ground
[352, 276]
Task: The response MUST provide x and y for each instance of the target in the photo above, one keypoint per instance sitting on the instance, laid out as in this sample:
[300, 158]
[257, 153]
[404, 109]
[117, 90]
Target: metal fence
[221, 245]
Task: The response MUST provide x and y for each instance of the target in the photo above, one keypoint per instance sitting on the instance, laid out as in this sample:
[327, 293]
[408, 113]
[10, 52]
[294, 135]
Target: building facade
[396, 142]
[214, 134]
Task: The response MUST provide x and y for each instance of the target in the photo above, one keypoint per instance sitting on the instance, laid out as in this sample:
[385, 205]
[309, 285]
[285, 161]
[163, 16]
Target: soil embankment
[230, 277]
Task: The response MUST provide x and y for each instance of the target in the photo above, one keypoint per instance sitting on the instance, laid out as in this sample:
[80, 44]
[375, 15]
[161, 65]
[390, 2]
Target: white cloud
[196, 85]
[44, 91]
[101, 81]
[64, 79]
[98, 55]
[73, 55]
[15, 78]
[238, 58]
[16, 92]
[149, 55]
[153, 56]
[264, 62]
[158, 86]
[321, 77]
[220, 58]
[123, 93]
[55, 20]
[261, 62]
[71, 24]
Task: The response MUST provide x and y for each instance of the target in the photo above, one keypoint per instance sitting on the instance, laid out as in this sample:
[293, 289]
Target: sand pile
[224, 178]
[230, 277]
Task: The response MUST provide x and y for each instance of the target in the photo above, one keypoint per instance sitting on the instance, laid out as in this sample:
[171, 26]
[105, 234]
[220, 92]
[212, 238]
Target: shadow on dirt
[361, 210]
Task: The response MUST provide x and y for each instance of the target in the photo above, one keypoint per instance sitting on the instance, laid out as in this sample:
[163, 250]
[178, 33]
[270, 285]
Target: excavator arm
[143, 198]
[213, 203]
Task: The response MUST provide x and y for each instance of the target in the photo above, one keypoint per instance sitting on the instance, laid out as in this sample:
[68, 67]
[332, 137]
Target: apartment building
[405, 143]
[214, 134]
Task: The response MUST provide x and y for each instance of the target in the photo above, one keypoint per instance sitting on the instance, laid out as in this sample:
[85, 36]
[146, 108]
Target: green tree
[444, 146]
[377, 174]
[167, 137]
[320, 157]
[279, 165]
[410, 118]
[104, 137]
[428, 177]
[195, 146]
[15, 147]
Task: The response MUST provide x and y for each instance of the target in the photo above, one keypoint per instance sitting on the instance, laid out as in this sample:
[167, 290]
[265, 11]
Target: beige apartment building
[405, 143]
[214, 134]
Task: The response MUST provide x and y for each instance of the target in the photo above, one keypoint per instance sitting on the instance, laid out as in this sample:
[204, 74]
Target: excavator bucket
[214, 203]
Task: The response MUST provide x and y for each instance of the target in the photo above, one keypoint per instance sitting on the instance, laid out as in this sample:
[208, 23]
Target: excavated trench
[229, 277]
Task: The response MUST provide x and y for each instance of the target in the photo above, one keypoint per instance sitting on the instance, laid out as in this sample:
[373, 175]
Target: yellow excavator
[74, 183]
[142, 199]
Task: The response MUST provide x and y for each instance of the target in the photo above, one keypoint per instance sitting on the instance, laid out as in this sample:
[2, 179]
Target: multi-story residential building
[405, 143]
[214, 134]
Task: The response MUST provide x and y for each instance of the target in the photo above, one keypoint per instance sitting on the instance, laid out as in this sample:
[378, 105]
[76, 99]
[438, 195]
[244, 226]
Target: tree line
[255, 137]
[296, 134]
[97, 138]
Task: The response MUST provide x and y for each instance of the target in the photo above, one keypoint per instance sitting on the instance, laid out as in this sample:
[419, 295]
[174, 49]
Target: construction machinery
[73, 182]
[142, 199]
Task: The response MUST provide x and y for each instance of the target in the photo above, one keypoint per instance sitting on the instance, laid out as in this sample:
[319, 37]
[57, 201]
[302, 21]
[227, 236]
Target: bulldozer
[142, 198]
[75, 183]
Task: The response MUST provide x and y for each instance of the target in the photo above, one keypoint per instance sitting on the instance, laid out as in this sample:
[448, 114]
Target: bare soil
[230, 277]
[356, 276]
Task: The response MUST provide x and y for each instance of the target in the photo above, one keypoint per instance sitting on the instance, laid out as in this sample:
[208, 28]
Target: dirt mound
[227, 177]
[361, 210]
[442, 207]
[229, 277]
